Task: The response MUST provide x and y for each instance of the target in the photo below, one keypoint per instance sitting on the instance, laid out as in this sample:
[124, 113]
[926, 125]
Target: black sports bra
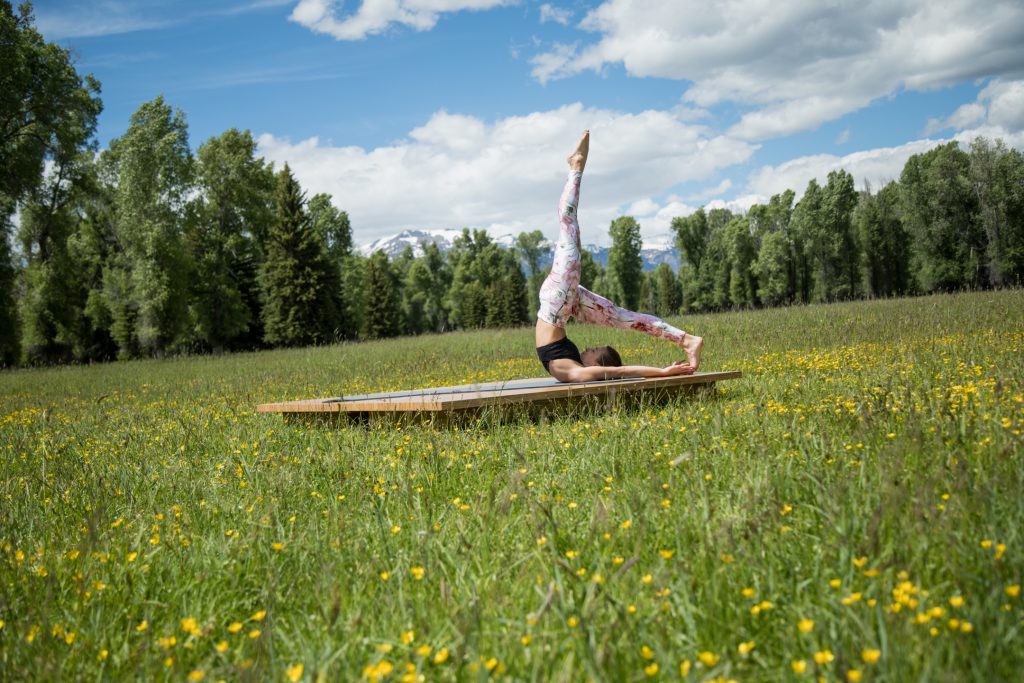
[563, 348]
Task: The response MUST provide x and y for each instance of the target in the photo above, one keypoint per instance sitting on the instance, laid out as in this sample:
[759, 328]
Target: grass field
[851, 509]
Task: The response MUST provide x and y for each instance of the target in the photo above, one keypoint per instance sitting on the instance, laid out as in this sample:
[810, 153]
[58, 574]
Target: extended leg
[558, 294]
[597, 310]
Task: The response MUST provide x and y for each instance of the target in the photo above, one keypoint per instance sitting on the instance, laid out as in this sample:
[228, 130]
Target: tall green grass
[862, 481]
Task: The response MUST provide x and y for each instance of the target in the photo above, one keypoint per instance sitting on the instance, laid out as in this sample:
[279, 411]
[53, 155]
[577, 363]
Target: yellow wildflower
[294, 673]
[870, 656]
[708, 658]
[799, 666]
[805, 625]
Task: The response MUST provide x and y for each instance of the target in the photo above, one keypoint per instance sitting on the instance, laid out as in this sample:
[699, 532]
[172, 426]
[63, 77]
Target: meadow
[850, 510]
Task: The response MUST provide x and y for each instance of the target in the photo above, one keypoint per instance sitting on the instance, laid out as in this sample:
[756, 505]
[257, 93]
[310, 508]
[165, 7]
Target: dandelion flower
[957, 601]
[799, 666]
[823, 657]
[870, 656]
[853, 675]
[143, 625]
[255, 633]
[708, 659]
[651, 669]
[442, 656]
[258, 616]
[196, 675]
[294, 673]
[805, 625]
[1013, 591]
[417, 572]
[222, 646]
[235, 627]
[745, 648]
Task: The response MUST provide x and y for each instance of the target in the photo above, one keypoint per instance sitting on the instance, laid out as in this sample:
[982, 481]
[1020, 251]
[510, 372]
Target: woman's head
[605, 356]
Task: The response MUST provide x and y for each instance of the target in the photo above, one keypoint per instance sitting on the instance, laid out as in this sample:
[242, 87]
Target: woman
[562, 297]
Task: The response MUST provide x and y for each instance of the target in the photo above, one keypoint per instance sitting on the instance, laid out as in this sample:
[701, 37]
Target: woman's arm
[590, 373]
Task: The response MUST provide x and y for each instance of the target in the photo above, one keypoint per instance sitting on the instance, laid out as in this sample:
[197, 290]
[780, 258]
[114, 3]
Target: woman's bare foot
[578, 159]
[692, 345]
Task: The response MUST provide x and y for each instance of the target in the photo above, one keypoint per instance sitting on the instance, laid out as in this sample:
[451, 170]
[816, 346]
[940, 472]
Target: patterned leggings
[562, 297]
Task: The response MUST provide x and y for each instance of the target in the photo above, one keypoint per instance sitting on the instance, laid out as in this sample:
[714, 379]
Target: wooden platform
[471, 398]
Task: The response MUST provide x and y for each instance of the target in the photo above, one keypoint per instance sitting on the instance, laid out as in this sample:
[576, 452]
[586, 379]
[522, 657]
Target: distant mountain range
[394, 245]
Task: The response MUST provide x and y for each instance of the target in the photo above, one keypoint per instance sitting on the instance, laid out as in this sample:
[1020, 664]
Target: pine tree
[298, 306]
[383, 317]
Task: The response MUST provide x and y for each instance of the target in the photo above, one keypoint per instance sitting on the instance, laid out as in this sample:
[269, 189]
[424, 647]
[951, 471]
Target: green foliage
[625, 266]
[940, 211]
[885, 252]
[234, 208]
[9, 329]
[533, 248]
[383, 317]
[997, 178]
[297, 280]
[146, 282]
[47, 109]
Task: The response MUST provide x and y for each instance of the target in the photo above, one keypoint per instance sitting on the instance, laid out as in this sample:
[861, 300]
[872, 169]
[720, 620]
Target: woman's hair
[607, 356]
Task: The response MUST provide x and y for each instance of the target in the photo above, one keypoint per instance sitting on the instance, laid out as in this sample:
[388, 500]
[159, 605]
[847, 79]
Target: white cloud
[964, 116]
[457, 171]
[796, 63]
[843, 137]
[875, 166]
[998, 112]
[376, 16]
[558, 15]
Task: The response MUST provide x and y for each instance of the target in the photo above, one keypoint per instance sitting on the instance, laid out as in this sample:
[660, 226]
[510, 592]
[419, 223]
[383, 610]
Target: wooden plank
[467, 397]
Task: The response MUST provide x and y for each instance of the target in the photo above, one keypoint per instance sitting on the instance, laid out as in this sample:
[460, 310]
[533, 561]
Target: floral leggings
[562, 297]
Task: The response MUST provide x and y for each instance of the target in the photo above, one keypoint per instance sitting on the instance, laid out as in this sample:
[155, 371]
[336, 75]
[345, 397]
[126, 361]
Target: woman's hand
[680, 367]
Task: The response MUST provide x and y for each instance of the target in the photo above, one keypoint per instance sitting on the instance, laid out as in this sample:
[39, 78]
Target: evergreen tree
[667, 296]
[506, 303]
[298, 305]
[235, 204]
[145, 283]
[383, 317]
[590, 272]
[534, 249]
[335, 232]
[625, 266]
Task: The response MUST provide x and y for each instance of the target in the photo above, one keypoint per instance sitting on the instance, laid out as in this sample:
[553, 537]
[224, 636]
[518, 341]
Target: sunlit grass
[850, 508]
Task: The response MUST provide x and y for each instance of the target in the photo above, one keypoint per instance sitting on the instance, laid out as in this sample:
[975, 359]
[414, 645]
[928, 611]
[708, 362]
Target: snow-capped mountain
[394, 245]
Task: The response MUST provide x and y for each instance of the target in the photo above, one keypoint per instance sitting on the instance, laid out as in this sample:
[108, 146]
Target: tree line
[146, 248]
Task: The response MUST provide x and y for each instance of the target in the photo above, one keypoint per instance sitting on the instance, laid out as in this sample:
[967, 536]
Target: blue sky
[438, 114]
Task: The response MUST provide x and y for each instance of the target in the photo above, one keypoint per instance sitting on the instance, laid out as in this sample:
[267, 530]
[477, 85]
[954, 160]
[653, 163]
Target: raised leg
[558, 293]
[597, 310]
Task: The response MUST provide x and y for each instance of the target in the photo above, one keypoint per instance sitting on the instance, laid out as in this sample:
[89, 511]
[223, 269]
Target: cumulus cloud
[997, 112]
[376, 16]
[797, 64]
[458, 171]
[556, 14]
[876, 167]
